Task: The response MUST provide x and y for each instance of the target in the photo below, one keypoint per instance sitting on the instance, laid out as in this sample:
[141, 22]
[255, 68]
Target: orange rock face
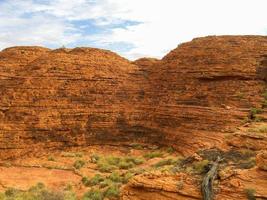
[84, 96]
[205, 88]
[64, 97]
[199, 96]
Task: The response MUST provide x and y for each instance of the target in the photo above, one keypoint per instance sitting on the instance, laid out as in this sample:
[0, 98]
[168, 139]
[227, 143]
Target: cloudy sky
[132, 28]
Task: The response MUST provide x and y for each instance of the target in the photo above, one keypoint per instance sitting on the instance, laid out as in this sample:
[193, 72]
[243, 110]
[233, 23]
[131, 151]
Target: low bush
[155, 154]
[93, 194]
[250, 193]
[112, 192]
[37, 192]
[200, 166]
[78, 164]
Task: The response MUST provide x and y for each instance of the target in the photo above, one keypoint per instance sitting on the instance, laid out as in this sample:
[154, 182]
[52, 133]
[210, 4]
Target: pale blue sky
[132, 28]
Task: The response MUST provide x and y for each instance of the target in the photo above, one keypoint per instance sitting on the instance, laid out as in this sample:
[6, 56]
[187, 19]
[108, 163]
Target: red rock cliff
[189, 99]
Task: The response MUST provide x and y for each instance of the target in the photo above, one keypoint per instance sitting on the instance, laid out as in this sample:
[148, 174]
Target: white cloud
[163, 23]
[169, 22]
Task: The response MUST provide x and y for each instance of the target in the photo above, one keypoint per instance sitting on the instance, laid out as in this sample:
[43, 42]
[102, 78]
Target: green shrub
[96, 179]
[71, 154]
[51, 158]
[94, 158]
[112, 191]
[105, 183]
[125, 165]
[115, 177]
[136, 161]
[255, 111]
[107, 164]
[10, 192]
[78, 164]
[93, 194]
[93, 181]
[200, 166]
[250, 194]
[38, 192]
[155, 154]
[126, 177]
[85, 181]
[104, 166]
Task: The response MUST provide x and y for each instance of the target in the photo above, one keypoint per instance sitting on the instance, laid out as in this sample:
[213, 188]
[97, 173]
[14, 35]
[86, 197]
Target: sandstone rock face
[205, 88]
[65, 97]
[84, 96]
[262, 160]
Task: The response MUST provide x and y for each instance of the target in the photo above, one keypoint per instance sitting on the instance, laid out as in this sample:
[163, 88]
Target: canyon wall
[83, 96]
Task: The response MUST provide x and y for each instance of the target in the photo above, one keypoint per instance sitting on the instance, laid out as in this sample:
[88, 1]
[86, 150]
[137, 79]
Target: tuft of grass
[93, 194]
[72, 154]
[112, 191]
[126, 177]
[164, 162]
[259, 129]
[137, 146]
[105, 183]
[107, 164]
[37, 192]
[51, 158]
[104, 166]
[94, 158]
[115, 177]
[250, 193]
[154, 154]
[78, 164]
[255, 111]
[200, 166]
[93, 181]
[247, 164]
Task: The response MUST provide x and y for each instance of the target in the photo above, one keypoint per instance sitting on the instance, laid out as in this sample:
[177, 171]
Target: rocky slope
[209, 93]
[205, 88]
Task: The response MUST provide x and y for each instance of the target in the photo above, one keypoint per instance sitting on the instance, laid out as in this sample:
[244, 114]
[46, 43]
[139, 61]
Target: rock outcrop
[206, 88]
[53, 98]
[189, 100]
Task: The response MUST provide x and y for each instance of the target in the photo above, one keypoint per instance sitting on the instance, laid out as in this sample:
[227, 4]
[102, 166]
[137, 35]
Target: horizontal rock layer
[83, 96]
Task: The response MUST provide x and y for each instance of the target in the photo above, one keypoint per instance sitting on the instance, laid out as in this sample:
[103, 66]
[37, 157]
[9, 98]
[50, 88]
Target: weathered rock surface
[205, 88]
[83, 96]
[261, 160]
[65, 97]
[192, 99]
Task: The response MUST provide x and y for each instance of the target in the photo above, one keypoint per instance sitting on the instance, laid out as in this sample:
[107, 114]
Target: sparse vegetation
[250, 193]
[94, 158]
[154, 154]
[259, 129]
[93, 181]
[51, 158]
[253, 114]
[200, 166]
[72, 155]
[107, 164]
[112, 192]
[137, 146]
[37, 192]
[78, 164]
[164, 162]
[93, 194]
